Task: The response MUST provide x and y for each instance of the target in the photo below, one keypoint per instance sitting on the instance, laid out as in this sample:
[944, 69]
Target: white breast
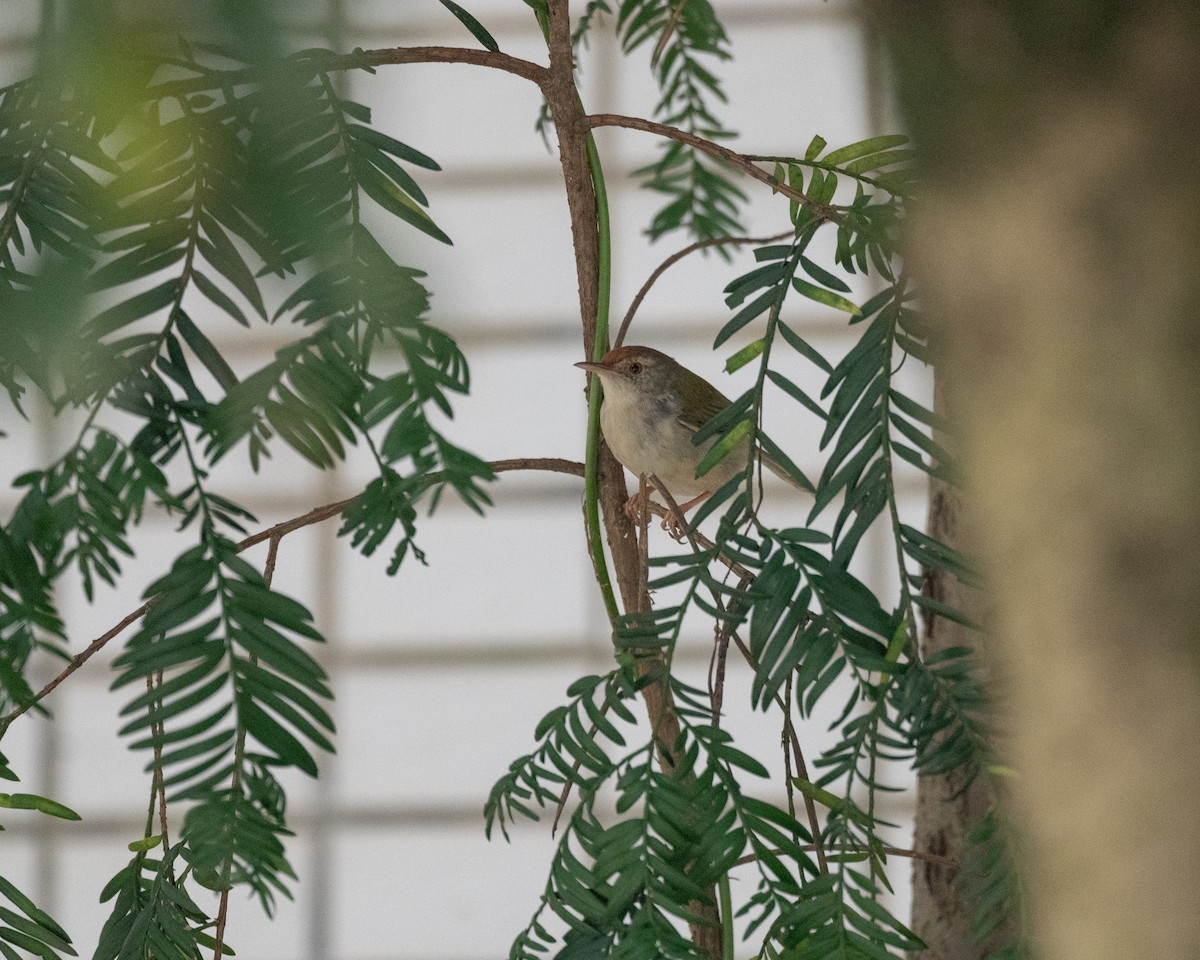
[650, 440]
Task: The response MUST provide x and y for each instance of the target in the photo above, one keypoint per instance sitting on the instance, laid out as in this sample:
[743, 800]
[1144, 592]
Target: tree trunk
[1057, 249]
[945, 813]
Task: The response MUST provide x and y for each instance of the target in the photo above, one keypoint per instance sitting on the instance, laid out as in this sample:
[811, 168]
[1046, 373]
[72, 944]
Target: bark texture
[945, 813]
[1058, 253]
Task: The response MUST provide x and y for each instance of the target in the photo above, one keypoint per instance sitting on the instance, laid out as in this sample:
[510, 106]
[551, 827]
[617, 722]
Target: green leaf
[801, 346]
[917, 411]
[827, 297]
[391, 198]
[876, 161]
[219, 297]
[30, 801]
[220, 252]
[723, 447]
[944, 610]
[745, 355]
[135, 308]
[401, 151]
[864, 148]
[753, 309]
[779, 461]
[30, 909]
[204, 350]
[795, 392]
[476, 28]
[821, 275]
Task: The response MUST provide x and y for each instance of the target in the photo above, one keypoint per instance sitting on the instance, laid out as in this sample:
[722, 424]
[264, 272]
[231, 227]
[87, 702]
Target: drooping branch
[890, 851]
[675, 258]
[274, 534]
[821, 211]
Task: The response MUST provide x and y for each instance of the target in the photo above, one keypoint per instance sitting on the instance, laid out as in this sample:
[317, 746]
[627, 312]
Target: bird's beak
[594, 367]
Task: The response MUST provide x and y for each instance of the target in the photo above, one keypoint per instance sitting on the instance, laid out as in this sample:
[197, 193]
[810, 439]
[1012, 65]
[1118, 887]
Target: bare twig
[74, 664]
[566, 790]
[644, 542]
[797, 754]
[821, 211]
[275, 533]
[272, 558]
[717, 682]
[642, 603]
[370, 58]
[890, 851]
[675, 258]
[483, 58]
[158, 791]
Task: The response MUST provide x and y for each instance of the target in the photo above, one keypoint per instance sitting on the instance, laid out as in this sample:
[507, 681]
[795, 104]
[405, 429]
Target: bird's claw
[637, 508]
[676, 527]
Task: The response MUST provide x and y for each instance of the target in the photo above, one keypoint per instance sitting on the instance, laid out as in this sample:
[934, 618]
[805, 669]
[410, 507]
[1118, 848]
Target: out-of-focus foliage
[127, 218]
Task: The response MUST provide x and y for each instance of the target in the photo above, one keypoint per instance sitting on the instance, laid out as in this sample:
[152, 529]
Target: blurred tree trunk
[1057, 249]
[945, 812]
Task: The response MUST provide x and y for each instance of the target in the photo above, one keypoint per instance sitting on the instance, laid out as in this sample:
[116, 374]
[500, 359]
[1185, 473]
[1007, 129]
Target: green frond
[152, 913]
[27, 930]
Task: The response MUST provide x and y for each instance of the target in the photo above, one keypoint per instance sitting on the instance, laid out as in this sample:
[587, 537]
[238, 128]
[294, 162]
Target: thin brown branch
[275, 533]
[317, 514]
[74, 664]
[725, 633]
[716, 669]
[696, 538]
[158, 790]
[716, 685]
[644, 559]
[890, 851]
[483, 58]
[675, 258]
[566, 790]
[810, 807]
[822, 211]
[387, 56]
[643, 543]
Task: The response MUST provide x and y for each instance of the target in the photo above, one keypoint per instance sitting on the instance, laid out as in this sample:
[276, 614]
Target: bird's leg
[675, 520]
[637, 507]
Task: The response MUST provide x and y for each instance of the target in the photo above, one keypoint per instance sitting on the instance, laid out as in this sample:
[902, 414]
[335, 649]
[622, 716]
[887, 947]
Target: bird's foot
[676, 526]
[637, 508]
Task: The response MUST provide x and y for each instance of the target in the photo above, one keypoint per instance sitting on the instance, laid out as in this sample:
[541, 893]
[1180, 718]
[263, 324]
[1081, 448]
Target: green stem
[726, 918]
[591, 476]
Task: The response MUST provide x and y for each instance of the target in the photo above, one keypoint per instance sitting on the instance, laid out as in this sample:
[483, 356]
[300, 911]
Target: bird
[652, 408]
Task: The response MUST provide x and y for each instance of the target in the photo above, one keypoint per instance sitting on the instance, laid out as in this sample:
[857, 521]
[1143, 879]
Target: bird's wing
[712, 402]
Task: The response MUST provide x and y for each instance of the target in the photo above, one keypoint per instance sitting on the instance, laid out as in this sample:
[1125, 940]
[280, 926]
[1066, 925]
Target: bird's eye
[635, 367]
